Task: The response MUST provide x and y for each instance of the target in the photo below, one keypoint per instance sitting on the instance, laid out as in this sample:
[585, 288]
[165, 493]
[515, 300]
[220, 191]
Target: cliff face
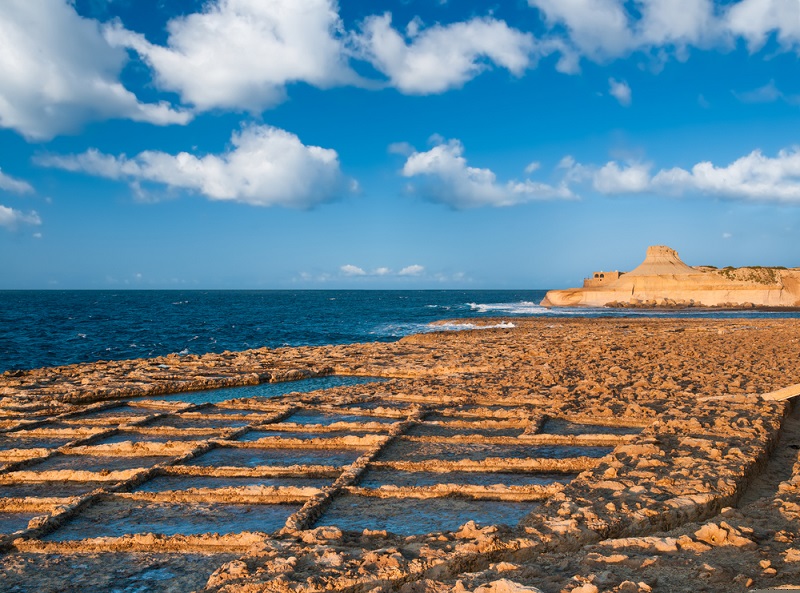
[662, 279]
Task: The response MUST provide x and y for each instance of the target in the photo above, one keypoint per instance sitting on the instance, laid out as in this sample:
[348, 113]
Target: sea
[49, 327]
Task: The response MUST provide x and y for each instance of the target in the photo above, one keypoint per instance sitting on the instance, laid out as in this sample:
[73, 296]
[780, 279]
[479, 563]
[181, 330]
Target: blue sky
[392, 144]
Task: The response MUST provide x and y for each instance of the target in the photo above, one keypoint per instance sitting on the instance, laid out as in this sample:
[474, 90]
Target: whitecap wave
[518, 308]
[398, 330]
[457, 326]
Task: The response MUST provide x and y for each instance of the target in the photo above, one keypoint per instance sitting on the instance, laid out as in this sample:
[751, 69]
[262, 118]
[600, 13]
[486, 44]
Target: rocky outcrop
[663, 280]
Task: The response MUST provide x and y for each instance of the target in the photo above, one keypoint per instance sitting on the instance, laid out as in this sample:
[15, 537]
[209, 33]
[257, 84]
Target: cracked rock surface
[586, 456]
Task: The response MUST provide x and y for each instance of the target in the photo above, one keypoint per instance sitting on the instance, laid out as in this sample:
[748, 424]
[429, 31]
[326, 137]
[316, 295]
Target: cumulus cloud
[58, 72]
[266, 166]
[620, 91]
[754, 177]
[447, 178]
[412, 270]
[11, 184]
[241, 54]
[351, 270]
[756, 20]
[598, 29]
[11, 218]
[603, 30]
[441, 57]
[382, 271]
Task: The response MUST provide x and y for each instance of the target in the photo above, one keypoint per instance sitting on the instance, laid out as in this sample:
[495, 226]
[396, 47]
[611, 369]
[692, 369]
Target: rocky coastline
[604, 455]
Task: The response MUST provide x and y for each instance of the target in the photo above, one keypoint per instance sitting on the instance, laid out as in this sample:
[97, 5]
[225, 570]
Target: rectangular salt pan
[254, 457]
[140, 437]
[436, 430]
[254, 435]
[118, 517]
[116, 572]
[267, 390]
[134, 412]
[164, 483]
[54, 489]
[94, 463]
[11, 522]
[374, 478]
[564, 427]
[196, 422]
[409, 516]
[420, 451]
[323, 418]
[11, 442]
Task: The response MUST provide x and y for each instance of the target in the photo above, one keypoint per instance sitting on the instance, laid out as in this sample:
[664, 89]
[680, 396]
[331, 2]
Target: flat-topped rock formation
[664, 280]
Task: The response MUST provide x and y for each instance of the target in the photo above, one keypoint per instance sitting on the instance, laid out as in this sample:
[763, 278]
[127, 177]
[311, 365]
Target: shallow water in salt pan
[254, 457]
[412, 516]
[111, 572]
[437, 430]
[7, 443]
[558, 426]
[55, 489]
[375, 478]
[196, 422]
[324, 419]
[117, 517]
[138, 437]
[421, 451]
[164, 483]
[11, 522]
[94, 463]
[254, 435]
[267, 390]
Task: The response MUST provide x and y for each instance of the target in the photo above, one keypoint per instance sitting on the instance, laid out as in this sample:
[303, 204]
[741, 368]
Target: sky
[409, 144]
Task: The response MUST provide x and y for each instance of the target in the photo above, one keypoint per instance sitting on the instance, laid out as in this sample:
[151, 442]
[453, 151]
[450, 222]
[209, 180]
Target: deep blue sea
[46, 328]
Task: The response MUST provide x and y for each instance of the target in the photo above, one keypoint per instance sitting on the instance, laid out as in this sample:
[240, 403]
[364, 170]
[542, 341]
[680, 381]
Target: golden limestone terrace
[552, 455]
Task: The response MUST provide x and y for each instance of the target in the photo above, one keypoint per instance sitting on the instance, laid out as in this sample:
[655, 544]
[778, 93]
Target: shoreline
[655, 507]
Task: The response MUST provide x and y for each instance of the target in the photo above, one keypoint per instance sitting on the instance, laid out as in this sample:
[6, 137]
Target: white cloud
[613, 179]
[598, 29]
[620, 90]
[351, 270]
[756, 20]
[769, 93]
[438, 58]
[604, 30]
[11, 184]
[58, 72]
[383, 271]
[448, 179]
[412, 270]
[533, 167]
[241, 54]
[753, 177]
[266, 166]
[678, 23]
[11, 218]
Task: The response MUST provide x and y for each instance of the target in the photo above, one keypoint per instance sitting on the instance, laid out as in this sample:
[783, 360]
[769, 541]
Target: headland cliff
[663, 280]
